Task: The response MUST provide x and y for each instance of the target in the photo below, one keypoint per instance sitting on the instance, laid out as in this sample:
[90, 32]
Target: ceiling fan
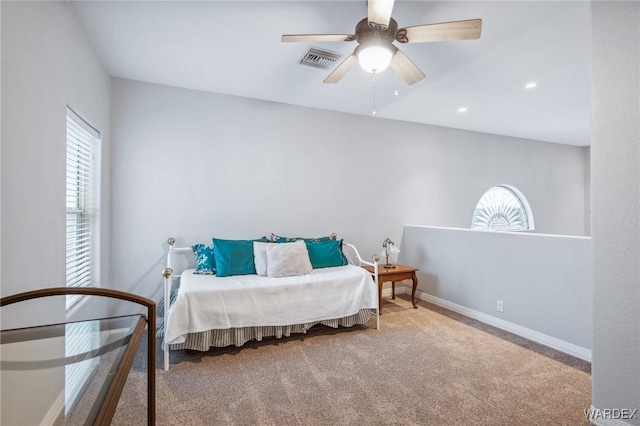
[375, 35]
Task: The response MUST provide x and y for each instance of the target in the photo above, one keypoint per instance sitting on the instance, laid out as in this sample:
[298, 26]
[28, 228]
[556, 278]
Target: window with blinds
[80, 339]
[81, 237]
[82, 141]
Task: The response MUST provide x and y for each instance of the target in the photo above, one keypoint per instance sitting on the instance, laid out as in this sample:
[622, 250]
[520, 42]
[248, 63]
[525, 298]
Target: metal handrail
[104, 417]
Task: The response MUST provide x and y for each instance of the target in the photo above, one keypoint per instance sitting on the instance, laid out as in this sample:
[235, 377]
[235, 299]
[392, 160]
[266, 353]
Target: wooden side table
[399, 273]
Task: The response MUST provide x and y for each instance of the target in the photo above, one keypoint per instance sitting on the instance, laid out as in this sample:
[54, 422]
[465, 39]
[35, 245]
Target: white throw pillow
[260, 257]
[288, 259]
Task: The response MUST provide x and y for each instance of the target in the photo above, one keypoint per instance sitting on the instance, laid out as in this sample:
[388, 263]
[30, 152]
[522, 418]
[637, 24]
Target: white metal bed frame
[168, 275]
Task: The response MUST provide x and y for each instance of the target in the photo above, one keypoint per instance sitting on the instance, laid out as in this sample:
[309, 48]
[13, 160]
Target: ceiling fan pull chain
[395, 73]
[374, 94]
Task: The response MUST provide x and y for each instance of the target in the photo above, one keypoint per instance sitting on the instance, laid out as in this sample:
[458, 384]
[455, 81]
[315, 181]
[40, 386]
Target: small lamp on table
[389, 249]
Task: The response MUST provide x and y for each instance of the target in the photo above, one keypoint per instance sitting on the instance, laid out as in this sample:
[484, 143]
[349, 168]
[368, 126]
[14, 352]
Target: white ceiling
[233, 47]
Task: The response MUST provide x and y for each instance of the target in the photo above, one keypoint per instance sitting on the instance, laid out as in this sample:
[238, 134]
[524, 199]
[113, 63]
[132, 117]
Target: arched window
[503, 208]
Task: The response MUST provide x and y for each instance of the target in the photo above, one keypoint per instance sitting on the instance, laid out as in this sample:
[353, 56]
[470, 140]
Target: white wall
[615, 173]
[544, 281]
[194, 165]
[47, 64]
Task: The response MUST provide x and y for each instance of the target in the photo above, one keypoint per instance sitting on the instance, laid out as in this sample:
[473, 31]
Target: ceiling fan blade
[379, 13]
[409, 72]
[457, 30]
[341, 69]
[316, 37]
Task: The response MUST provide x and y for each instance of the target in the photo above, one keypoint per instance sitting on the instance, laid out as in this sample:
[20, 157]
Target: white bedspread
[208, 302]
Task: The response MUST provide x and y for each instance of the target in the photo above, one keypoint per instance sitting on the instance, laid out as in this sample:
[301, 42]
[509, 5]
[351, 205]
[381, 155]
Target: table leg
[414, 278]
[379, 296]
[393, 289]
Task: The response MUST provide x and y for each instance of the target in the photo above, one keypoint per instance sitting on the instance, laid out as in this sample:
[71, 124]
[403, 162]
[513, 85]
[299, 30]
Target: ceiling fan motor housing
[365, 34]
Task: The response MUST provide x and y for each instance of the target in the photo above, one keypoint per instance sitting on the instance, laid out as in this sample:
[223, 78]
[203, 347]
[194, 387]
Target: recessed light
[462, 109]
[530, 85]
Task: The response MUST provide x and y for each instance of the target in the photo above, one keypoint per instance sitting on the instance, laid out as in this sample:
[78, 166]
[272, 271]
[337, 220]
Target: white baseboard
[386, 292]
[607, 422]
[54, 411]
[552, 342]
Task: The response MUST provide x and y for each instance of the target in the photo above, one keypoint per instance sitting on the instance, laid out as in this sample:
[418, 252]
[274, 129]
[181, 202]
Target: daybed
[210, 310]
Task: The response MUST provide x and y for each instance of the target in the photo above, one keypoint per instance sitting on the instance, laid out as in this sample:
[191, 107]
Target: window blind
[82, 177]
[80, 185]
[80, 338]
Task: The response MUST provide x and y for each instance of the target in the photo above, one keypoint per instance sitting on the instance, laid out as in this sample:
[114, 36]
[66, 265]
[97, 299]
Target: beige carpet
[426, 366]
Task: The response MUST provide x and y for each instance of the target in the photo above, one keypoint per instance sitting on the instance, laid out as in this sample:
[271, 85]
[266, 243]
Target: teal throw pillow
[234, 257]
[205, 259]
[324, 254]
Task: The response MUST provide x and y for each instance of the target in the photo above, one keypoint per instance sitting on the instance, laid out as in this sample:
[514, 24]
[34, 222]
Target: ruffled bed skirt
[239, 336]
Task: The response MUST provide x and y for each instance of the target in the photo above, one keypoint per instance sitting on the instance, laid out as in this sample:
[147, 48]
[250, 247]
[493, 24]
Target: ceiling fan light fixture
[374, 58]
[376, 34]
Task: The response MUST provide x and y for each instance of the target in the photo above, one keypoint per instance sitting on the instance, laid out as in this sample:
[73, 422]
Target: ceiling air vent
[319, 58]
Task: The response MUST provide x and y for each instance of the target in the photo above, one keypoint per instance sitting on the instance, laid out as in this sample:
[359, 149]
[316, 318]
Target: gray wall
[194, 165]
[615, 174]
[587, 190]
[544, 281]
[0, 147]
[47, 64]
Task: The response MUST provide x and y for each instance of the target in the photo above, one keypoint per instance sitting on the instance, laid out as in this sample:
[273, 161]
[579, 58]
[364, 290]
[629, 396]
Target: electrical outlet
[500, 306]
